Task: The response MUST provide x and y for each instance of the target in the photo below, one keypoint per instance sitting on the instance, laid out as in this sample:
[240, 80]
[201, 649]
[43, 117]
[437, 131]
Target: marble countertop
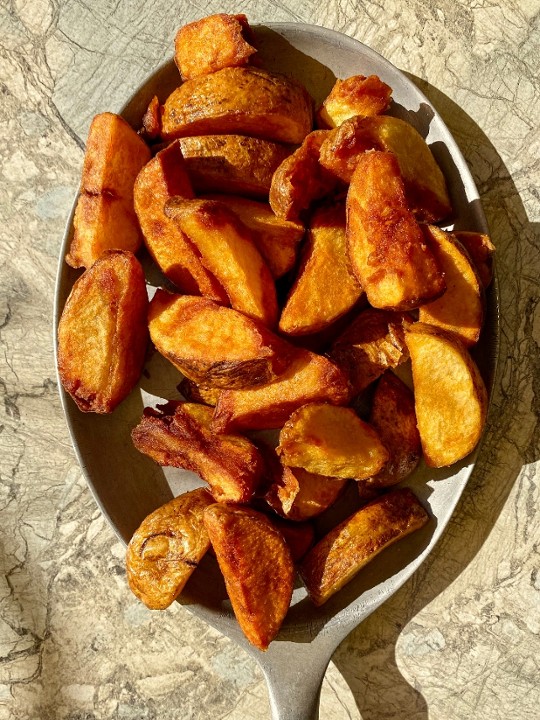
[462, 638]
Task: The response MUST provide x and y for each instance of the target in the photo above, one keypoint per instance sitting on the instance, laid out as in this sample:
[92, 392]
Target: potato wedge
[373, 342]
[195, 393]
[393, 417]
[480, 249]
[331, 441]
[102, 333]
[179, 435]
[356, 95]
[309, 378]
[299, 536]
[257, 567]
[386, 246]
[167, 547]
[461, 309]
[104, 217]
[425, 186]
[151, 122]
[228, 251]
[212, 43]
[214, 345]
[163, 177]
[232, 163]
[276, 239]
[243, 100]
[325, 288]
[300, 179]
[450, 395]
[299, 495]
[337, 558]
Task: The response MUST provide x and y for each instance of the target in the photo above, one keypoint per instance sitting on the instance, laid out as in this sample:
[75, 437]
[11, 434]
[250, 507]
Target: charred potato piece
[480, 249]
[450, 395]
[331, 441]
[300, 179]
[167, 547]
[337, 558]
[228, 251]
[195, 393]
[232, 163]
[298, 495]
[357, 95]
[214, 345]
[163, 177]
[104, 217]
[387, 249]
[372, 343]
[309, 378]
[257, 567]
[179, 435]
[325, 288]
[276, 239]
[243, 100]
[461, 309]
[212, 43]
[102, 333]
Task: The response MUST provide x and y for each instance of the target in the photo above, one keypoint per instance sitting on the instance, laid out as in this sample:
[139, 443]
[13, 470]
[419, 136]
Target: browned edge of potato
[356, 95]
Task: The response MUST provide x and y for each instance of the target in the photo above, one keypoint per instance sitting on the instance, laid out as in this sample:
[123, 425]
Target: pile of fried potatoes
[302, 266]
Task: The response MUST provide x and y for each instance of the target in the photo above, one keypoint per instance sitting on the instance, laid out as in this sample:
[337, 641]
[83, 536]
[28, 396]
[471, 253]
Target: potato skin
[102, 334]
[480, 249]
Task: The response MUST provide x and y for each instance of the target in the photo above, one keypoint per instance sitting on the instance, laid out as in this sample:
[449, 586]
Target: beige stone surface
[462, 638]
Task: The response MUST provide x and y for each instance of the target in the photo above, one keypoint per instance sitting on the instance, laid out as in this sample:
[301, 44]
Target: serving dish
[128, 486]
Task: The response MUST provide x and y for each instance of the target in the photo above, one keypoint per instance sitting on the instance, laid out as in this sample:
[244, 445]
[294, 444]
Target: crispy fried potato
[102, 334]
[461, 309]
[480, 249]
[228, 251]
[162, 178]
[179, 435]
[257, 567]
[300, 179]
[104, 217]
[276, 239]
[357, 95]
[167, 547]
[331, 441]
[232, 163]
[393, 417]
[425, 186]
[195, 393]
[325, 288]
[299, 495]
[346, 549]
[372, 343]
[309, 378]
[212, 43]
[214, 345]
[386, 246]
[243, 100]
[450, 395]
[151, 122]
[299, 536]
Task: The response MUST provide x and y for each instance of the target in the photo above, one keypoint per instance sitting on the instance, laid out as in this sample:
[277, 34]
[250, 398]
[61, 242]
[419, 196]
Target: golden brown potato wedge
[194, 393]
[257, 567]
[480, 249]
[386, 246]
[325, 288]
[179, 435]
[244, 100]
[461, 309]
[276, 239]
[373, 342]
[298, 495]
[300, 179]
[309, 378]
[228, 251]
[215, 345]
[163, 177]
[151, 122]
[167, 547]
[356, 95]
[232, 163]
[102, 334]
[299, 536]
[346, 549]
[450, 395]
[104, 217]
[212, 43]
[331, 441]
